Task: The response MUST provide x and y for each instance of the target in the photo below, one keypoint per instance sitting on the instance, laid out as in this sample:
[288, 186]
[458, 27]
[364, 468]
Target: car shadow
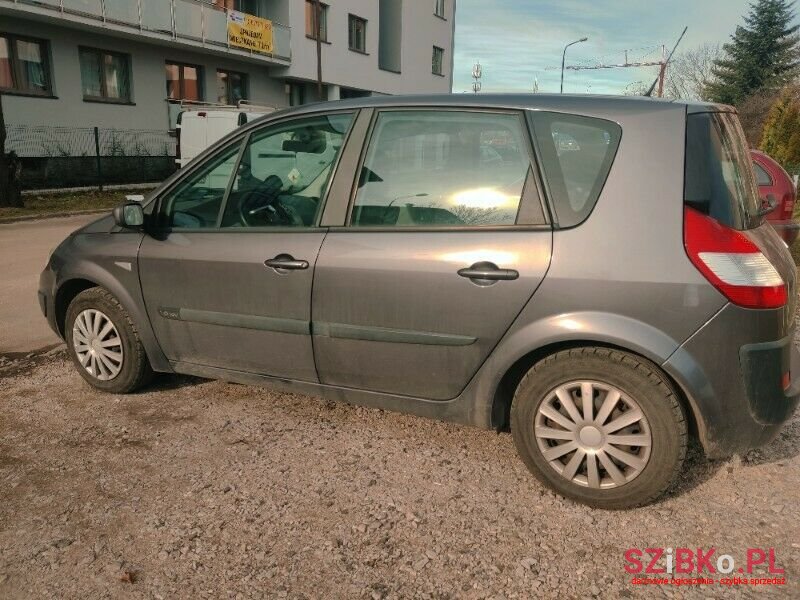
[165, 382]
[785, 446]
[697, 469]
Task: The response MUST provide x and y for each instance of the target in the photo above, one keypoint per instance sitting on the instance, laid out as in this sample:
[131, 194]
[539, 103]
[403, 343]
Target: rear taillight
[732, 263]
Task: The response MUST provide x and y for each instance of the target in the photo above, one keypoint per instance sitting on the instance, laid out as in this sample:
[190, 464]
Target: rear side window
[442, 168]
[719, 180]
[576, 154]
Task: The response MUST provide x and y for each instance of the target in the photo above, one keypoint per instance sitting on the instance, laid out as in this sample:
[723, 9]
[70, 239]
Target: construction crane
[661, 64]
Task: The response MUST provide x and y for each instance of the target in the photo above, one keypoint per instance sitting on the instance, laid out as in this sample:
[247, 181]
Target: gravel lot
[198, 489]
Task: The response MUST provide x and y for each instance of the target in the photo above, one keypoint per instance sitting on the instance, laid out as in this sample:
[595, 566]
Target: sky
[517, 41]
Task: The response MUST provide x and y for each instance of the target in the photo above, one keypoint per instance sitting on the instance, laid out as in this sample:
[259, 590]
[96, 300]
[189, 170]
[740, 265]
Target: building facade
[130, 64]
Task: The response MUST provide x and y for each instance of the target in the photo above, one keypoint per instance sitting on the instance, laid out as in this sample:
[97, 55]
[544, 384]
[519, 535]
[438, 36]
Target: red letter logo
[632, 555]
[755, 556]
[656, 553]
[772, 568]
[704, 561]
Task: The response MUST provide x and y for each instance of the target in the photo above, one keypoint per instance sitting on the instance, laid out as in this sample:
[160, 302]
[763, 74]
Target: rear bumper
[731, 372]
[787, 230]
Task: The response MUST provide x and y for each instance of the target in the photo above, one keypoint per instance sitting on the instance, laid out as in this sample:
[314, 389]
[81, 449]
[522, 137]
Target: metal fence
[56, 157]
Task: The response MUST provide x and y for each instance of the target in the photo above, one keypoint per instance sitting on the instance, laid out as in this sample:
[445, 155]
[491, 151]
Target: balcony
[191, 21]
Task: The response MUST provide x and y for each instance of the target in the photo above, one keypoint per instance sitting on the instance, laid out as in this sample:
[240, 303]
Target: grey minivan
[592, 273]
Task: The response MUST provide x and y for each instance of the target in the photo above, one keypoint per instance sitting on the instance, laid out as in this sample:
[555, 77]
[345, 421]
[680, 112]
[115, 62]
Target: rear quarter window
[576, 155]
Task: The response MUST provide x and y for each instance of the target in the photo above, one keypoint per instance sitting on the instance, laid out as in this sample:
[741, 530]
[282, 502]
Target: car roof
[582, 103]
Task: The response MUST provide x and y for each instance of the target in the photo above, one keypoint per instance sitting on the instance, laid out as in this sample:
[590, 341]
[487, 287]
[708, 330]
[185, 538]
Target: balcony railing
[181, 19]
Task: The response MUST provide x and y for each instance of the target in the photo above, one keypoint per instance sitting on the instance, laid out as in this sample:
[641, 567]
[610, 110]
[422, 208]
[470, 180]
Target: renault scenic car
[593, 273]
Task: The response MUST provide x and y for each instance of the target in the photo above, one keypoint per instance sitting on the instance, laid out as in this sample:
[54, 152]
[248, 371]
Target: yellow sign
[247, 31]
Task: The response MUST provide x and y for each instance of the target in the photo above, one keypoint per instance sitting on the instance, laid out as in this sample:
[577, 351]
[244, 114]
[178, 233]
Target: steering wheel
[260, 205]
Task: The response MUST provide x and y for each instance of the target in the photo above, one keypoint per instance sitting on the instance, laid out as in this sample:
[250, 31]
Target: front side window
[438, 60]
[231, 87]
[24, 65]
[278, 180]
[357, 35]
[196, 202]
[311, 20]
[442, 168]
[438, 8]
[105, 75]
[576, 153]
[183, 82]
[284, 172]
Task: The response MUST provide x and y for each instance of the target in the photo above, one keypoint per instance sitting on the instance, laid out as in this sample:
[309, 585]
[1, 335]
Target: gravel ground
[196, 489]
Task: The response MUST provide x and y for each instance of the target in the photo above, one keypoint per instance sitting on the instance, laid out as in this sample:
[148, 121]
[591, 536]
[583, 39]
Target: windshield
[719, 172]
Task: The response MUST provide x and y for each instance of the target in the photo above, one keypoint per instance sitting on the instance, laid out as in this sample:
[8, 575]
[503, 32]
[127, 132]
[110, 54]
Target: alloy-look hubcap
[97, 344]
[593, 434]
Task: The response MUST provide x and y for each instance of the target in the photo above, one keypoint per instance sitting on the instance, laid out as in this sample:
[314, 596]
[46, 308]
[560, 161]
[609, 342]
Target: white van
[198, 128]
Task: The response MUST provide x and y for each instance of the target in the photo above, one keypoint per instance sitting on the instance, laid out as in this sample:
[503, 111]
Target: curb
[56, 215]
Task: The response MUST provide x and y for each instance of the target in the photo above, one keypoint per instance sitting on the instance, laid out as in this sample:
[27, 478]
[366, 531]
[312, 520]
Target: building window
[311, 20]
[183, 82]
[438, 9]
[24, 65]
[231, 87]
[251, 7]
[105, 75]
[357, 36]
[438, 60]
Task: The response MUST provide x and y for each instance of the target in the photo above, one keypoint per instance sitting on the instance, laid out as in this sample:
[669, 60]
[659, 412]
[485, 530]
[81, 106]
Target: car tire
[123, 366]
[621, 467]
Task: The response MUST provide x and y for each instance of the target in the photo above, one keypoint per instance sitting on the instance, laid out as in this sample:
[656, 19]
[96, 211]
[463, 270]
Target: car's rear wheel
[104, 344]
[600, 426]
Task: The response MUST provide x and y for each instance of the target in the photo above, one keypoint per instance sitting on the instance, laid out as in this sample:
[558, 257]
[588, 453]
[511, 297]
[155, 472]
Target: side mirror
[129, 215]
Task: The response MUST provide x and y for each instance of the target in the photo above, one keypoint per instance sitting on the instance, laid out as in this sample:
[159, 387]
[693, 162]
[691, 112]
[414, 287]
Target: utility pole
[477, 73]
[318, 35]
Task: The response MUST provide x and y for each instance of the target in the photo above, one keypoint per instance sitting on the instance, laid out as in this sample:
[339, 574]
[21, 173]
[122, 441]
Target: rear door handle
[486, 273]
[286, 262]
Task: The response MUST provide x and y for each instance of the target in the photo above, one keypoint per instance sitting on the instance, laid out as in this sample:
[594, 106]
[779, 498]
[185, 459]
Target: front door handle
[286, 262]
[487, 273]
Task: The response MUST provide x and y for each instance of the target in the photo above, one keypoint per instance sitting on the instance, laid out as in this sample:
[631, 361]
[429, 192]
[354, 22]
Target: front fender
[110, 261]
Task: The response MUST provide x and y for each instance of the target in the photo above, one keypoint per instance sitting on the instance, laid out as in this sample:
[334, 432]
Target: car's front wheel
[600, 426]
[104, 344]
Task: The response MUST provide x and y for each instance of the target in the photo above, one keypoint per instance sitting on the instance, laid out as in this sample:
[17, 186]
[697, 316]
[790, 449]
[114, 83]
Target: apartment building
[130, 64]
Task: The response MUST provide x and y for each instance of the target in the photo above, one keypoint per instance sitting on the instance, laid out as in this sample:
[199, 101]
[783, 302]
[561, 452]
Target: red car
[776, 187]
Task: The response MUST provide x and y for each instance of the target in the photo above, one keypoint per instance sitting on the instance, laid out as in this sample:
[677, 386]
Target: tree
[753, 112]
[690, 73]
[10, 194]
[635, 88]
[781, 137]
[762, 54]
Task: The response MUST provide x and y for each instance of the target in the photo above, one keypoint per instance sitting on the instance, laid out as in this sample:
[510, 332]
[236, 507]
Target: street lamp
[564, 58]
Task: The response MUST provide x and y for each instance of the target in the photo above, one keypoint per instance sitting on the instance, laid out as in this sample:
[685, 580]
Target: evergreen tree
[762, 54]
[781, 137]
